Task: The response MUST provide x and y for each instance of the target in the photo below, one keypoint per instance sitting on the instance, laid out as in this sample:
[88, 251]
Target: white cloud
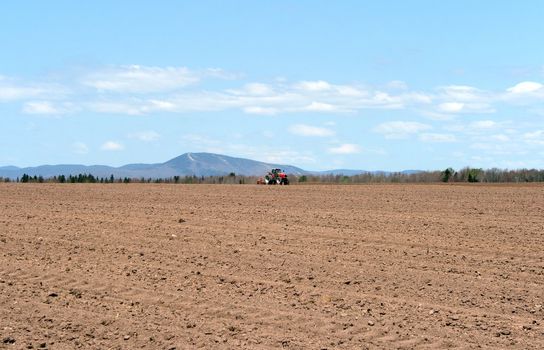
[13, 90]
[146, 136]
[40, 107]
[433, 137]
[349, 91]
[463, 93]
[282, 99]
[385, 98]
[416, 98]
[258, 89]
[49, 108]
[318, 85]
[483, 124]
[260, 110]
[525, 87]
[139, 90]
[112, 146]
[132, 107]
[309, 130]
[220, 73]
[534, 137]
[162, 105]
[346, 148]
[11, 93]
[143, 90]
[400, 129]
[464, 99]
[462, 107]
[319, 107]
[451, 107]
[80, 148]
[140, 79]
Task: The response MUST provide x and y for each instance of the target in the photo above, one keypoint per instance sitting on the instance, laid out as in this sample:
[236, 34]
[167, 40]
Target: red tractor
[274, 177]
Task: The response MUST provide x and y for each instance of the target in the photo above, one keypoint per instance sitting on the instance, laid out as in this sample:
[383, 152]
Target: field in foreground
[299, 267]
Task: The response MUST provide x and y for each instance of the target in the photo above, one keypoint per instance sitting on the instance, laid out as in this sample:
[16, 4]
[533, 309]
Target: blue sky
[319, 84]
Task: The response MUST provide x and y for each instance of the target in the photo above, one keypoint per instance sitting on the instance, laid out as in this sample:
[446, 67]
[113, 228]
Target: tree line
[232, 178]
[466, 174]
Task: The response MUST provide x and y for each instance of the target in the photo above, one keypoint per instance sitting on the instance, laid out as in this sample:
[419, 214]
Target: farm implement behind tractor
[274, 177]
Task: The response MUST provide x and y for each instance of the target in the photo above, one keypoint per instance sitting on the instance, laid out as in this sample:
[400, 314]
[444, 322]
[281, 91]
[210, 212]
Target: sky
[373, 85]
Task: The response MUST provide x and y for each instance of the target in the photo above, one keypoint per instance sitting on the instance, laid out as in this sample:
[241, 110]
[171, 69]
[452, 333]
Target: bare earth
[257, 267]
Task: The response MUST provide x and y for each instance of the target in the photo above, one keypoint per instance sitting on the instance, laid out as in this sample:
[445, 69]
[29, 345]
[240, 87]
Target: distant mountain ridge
[187, 164]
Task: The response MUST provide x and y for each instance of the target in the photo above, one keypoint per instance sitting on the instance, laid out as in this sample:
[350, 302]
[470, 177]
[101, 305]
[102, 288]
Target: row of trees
[448, 175]
[492, 175]
[89, 178]
[81, 178]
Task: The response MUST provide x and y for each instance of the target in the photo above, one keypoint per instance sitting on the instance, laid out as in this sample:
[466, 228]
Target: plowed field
[261, 267]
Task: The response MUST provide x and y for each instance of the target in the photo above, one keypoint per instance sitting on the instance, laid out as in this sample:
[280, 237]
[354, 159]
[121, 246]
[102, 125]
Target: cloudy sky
[319, 84]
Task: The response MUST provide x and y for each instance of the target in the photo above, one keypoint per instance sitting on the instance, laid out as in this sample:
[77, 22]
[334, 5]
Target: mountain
[216, 164]
[198, 164]
[188, 164]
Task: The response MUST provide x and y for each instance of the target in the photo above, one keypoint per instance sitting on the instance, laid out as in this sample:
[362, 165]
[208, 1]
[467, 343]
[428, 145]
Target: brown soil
[258, 267]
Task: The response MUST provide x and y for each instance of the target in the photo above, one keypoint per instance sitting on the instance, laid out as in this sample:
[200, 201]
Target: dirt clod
[8, 340]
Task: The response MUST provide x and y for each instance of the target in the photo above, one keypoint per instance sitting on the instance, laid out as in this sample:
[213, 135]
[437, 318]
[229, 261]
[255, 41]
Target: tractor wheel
[285, 181]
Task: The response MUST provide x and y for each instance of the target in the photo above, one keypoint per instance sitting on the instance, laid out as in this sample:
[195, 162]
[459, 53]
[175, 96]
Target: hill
[188, 164]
